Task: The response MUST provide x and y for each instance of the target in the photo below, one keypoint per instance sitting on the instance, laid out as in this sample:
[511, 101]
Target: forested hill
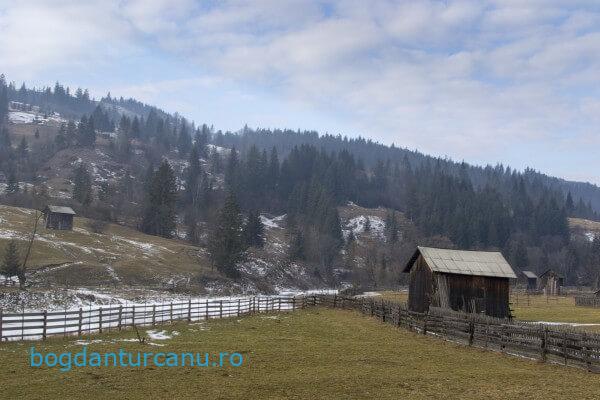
[139, 165]
[585, 195]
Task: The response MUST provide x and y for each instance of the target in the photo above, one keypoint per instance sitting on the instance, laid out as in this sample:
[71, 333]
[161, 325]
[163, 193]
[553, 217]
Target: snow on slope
[357, 226]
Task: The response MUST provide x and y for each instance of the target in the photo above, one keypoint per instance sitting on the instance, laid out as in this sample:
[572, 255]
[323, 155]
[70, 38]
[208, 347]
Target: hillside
[143, 169]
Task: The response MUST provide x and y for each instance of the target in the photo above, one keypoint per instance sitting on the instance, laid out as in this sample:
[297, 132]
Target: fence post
[565, 346]
[80, 322]
[586, 353]
[425, 323]
[334, 300]
[153, 314]
[119, 323]
[44, 327]
[471, 331]
[171, 313]
[294, 303]
[220, 308]
[100, 319]
[133, 316]
[206, 310]
[544, 343]
[314, 301]
[1, 318]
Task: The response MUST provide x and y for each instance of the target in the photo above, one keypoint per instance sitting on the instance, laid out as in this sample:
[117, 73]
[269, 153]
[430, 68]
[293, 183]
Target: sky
[490, 81]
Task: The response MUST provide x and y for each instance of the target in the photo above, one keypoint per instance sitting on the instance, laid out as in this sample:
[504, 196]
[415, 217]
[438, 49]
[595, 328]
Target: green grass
[311, 354]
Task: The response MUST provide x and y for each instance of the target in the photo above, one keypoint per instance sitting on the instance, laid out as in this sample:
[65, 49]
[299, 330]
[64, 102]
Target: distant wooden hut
[551, 282]
[58, 217]
[530, 280]
[470, 281]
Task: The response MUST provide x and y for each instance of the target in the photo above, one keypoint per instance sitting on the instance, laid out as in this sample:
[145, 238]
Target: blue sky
[509, 81]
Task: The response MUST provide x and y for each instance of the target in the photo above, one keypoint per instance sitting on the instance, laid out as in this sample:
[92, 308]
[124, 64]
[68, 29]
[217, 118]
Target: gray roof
[479, 263]
[61, 210]
[530, 275]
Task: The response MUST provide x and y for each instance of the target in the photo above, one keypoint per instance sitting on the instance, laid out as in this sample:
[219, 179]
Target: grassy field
[555, 309]
[311, 354]
[536, 308]
[81, 256]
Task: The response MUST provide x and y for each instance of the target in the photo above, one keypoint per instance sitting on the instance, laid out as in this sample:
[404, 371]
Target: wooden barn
[469, 281]
[530, 280]
[551, 282]
[58, 217]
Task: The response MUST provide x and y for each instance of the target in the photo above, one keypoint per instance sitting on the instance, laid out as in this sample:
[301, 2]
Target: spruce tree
[161, 196]
[12, 262]
[254, 230]
[82, 191]
[226, 244]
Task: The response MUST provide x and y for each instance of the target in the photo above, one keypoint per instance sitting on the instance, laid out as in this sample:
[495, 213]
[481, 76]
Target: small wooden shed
[530, 280]
[469, 281]
[551, 282]
[59, 217]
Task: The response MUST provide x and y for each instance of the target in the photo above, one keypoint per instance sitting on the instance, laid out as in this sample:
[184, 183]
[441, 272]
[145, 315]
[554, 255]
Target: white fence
[40, 325]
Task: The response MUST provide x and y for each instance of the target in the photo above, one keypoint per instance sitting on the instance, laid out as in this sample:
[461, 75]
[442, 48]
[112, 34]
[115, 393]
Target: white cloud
[470, 79]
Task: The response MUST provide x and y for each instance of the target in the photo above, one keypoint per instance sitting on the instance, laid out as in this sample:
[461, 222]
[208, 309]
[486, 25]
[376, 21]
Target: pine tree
[161, 195]
[12, 262]
[391, 227]
[254, 230]
[226, 245]
[82, 191]
[193, 178]
[12, 182]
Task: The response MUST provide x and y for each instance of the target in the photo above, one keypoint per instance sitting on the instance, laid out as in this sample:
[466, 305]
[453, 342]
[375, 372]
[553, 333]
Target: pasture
[314, 353]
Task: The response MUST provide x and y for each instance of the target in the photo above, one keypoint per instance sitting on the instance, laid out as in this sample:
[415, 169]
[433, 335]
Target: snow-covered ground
[357, 226]
[28, 117]
[274, 222]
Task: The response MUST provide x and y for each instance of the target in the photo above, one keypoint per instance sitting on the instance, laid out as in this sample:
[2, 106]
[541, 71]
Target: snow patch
[357, 225]
[161, 335]
[272, 222]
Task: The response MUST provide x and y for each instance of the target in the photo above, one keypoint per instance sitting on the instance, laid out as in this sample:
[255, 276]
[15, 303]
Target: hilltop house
[469, 281]
[551, 282]
[58, 217]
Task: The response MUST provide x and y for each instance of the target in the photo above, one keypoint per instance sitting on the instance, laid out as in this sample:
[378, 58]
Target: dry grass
[535, 308]
[80, 256]
[314, 354]
[554, 309]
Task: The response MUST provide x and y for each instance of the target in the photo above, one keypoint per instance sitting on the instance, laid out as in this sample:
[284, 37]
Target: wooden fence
[85, 320]
[587, 301]
[548, 344]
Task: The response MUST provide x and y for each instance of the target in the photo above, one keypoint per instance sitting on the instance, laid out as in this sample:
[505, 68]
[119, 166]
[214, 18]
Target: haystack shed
[470, 281]
[59, 217]
[551, 282]
[530, 280]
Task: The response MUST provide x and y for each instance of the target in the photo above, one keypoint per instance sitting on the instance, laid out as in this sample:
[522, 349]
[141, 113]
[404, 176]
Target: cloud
[480, 80]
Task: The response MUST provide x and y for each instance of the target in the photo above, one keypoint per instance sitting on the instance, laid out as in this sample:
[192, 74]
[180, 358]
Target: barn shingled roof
[478, 263]
[60, 210]
[529, 275]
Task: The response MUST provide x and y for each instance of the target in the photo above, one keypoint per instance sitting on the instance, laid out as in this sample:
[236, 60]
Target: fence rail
[40, 325]
[548, 344]
[587, 301]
